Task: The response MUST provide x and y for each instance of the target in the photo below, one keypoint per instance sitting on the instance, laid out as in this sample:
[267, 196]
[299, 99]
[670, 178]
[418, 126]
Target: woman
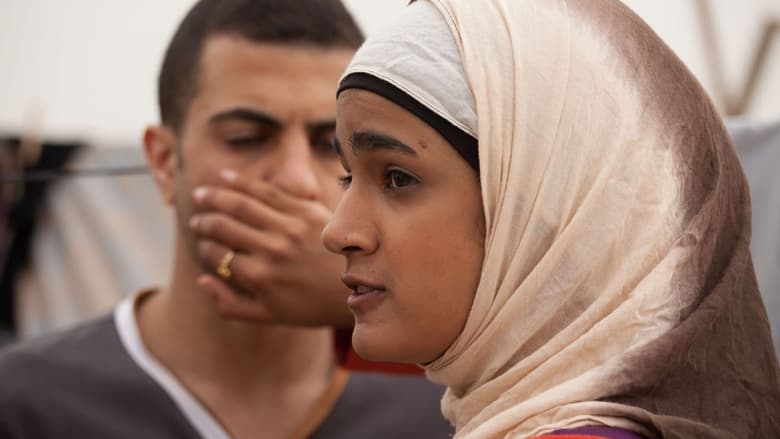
[585, 263]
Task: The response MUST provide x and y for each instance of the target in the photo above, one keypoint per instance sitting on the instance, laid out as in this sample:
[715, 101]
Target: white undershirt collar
[127, 327]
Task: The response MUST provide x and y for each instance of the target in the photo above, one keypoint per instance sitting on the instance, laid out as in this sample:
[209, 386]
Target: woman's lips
[366, 294]
[362, 289]
[360, 285]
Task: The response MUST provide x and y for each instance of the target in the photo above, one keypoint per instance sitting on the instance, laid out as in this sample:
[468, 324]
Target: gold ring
[223, 269]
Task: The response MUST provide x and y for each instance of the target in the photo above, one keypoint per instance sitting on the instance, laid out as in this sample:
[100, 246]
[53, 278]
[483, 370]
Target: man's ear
[160, 149]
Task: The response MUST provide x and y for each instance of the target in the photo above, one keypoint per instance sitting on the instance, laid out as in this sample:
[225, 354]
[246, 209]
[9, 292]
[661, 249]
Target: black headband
[464, 143]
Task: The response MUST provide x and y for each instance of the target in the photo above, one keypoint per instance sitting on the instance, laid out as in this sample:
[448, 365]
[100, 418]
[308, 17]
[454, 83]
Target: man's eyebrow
[321, 126]
[247, 115]
[369, 141]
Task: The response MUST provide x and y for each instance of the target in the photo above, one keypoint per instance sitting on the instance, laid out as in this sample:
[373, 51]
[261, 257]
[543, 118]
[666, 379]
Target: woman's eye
[345, 181]
[398, 179]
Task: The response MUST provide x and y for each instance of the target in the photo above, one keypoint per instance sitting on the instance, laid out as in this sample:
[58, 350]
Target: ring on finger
[223, 269]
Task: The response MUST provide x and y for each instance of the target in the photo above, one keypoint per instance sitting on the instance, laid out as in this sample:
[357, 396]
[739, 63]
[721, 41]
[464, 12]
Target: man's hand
[281, 273]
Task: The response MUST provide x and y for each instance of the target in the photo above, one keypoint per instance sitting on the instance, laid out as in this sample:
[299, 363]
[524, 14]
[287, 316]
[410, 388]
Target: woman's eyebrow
[371, 141]
[336, 145]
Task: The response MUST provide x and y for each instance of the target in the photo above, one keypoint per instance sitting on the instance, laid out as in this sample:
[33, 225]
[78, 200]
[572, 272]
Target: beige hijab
[617, 286]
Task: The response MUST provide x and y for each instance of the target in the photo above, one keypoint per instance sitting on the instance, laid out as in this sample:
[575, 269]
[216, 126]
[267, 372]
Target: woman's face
[411, 227]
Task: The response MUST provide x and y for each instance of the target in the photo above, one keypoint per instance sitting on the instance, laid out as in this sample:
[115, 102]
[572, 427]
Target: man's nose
[295, 168]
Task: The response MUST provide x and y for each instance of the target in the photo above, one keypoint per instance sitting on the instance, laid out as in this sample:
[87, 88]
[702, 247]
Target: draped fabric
[98, 239]
[758, 144]
[22, 202]
[617, 286]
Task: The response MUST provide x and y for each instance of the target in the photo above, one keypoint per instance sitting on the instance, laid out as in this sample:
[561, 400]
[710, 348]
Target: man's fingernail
[228, 175]
[199, 193]
[202, 281]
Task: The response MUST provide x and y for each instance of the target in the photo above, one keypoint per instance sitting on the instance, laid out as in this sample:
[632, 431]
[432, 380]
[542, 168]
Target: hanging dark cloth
[22, 201]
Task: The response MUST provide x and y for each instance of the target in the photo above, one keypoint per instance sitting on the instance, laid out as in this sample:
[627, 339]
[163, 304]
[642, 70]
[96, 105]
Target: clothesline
[45, 175]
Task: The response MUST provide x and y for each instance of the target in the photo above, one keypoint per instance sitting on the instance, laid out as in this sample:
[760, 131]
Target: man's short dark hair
[318, 23]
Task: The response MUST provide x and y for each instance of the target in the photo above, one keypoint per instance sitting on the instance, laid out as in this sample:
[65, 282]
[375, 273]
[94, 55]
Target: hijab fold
[617, 287]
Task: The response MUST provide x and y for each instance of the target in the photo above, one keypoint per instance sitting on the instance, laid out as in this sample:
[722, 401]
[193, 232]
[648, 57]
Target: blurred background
[87, 68]
[78, 85]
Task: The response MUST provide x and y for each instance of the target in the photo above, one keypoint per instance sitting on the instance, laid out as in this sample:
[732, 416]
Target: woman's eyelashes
[345, 180]
[396, 179]
[393, 179]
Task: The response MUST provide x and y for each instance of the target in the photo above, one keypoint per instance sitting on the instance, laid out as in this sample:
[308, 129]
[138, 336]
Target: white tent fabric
[99, 239]
[759, 147]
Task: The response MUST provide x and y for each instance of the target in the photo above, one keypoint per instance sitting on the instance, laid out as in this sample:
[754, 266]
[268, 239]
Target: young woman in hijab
[543, 209]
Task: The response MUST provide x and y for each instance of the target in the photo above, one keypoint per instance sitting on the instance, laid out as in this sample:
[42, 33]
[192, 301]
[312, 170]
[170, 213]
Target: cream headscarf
[617, 287]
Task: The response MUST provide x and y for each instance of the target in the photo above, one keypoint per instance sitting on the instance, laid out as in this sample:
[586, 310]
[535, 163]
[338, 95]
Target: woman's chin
[375, 344]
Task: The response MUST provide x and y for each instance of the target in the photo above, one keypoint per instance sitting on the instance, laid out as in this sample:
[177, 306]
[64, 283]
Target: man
[247, 103]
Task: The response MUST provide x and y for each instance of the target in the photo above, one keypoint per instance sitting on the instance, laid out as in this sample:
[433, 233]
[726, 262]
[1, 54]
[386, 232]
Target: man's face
[266, 111]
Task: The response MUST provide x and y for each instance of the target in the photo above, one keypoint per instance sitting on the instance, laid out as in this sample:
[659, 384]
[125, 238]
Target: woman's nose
[350, 230]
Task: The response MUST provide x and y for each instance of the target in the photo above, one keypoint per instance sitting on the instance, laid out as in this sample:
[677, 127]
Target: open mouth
[360, 286]
[364, 289]
[365, 293]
